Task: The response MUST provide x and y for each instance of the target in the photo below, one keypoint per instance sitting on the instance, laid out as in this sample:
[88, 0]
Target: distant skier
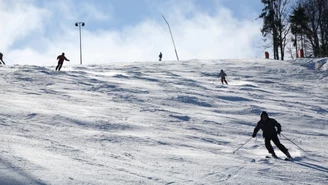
[1, 55]
[268, 127]
[160, 56]
[223, 75]
[61, 59]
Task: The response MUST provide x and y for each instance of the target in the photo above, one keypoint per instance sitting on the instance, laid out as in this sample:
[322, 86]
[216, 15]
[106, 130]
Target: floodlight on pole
[79, 24]
[176, 53]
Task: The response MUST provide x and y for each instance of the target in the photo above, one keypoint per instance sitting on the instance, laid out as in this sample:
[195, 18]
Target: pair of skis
[285, 159]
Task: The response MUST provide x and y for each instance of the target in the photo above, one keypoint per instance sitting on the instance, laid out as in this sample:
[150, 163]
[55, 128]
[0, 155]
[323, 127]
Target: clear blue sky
[41, 28]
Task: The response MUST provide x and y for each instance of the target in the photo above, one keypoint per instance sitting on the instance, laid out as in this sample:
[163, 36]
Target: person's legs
[60, 66]
[281, 146]
[225, 81]
[268, 146]
[1, 59]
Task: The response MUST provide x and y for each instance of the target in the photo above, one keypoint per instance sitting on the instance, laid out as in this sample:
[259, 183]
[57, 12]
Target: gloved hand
[254, 135]
[278, 132]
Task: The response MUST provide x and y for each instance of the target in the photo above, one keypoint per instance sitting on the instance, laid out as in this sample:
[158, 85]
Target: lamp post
[176, 53]
[79, 24]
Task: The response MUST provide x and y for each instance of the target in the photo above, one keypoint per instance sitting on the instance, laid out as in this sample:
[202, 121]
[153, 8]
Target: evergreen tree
[298, 21]
[316, 30]
[269, 28]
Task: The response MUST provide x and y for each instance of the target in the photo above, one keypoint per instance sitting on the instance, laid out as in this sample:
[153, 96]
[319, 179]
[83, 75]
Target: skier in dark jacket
[1, 55]
[223, 75]
[268, 127]
[160, 56]
[61, 59]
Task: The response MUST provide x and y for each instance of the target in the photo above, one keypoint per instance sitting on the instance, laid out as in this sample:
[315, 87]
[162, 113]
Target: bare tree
[275, 15]
[282, 21]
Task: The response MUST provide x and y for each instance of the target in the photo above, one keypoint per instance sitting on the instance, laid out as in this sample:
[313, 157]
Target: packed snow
[169, 122]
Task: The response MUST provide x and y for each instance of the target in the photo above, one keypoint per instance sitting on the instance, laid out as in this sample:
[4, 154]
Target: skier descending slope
[1, 59]
[61, 59]
[160, 56]
[268, 127]
[223, 77]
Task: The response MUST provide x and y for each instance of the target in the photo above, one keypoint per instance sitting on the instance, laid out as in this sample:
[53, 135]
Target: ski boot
[288, 155]
[274, 155]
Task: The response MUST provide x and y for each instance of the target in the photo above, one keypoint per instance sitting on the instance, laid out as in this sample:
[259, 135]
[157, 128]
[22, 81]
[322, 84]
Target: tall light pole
[79, 24]
[176, 53]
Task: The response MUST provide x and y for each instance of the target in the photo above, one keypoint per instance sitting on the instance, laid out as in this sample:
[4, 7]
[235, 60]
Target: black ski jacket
[61, 58]
[268, 128]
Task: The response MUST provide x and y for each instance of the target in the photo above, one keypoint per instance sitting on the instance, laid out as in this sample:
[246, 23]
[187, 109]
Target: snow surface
[169, 122]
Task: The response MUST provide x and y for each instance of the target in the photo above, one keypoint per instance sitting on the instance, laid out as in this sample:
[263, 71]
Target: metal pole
[242, 145]
[79, 24]
[80, 45]
[176, 53]
[293, 143]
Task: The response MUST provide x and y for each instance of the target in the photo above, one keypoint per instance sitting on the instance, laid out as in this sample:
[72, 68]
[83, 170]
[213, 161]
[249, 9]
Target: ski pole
[293, 143]
[242, 145]
[9, 60]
